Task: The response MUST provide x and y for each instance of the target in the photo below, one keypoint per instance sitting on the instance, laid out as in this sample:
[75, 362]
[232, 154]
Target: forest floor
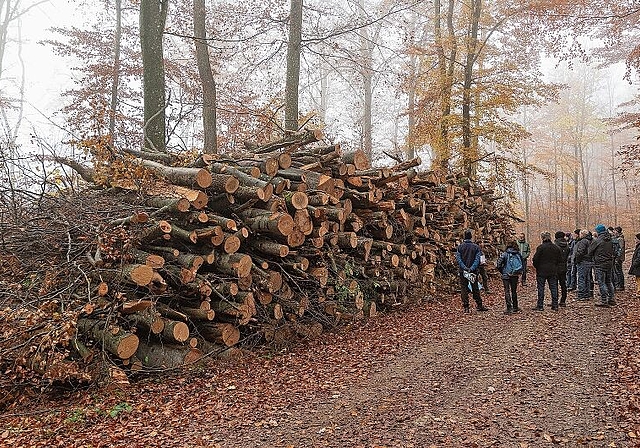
[430, 376]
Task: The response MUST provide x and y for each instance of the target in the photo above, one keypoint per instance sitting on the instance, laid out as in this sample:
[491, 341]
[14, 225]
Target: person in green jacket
[525, 251]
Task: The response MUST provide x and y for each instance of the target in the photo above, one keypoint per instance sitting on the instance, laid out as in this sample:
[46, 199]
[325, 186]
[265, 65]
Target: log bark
[166, 355]
[186, 177]
[221, 333]
[121, 344]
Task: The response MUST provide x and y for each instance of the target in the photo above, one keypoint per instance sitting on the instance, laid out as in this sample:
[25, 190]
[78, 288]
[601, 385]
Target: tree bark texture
[153, 14]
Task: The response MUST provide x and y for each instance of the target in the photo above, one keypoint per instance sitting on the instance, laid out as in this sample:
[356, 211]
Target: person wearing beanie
[561, 242]
[468, 258]
[635, 265]
[618, 273]
[602, 252]
[546, 260]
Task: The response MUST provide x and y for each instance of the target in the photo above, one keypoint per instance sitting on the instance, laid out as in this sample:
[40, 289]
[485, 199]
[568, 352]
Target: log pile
[282, 240]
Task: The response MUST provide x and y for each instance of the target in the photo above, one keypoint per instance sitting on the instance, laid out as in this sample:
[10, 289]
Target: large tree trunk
[153, 14]
[206, 77]
[293, 67]
[469, 153]
[446, 68]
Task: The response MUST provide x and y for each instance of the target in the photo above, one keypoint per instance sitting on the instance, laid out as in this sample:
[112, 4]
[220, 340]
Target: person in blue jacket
[468, 258]
[510, 279]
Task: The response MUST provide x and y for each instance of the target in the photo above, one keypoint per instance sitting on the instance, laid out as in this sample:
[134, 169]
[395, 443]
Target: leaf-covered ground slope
[429, 377]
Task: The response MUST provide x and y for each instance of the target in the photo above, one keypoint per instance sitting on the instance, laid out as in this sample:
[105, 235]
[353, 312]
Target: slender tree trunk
[206, 77]
[410, 148]
[6, 12]
[525, 181]
[324, 91]
[153, 14]
[293, 67]
[576, 188]
[366, 70]
[115, 81]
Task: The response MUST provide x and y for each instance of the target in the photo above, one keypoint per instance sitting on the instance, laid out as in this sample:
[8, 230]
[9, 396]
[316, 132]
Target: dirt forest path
[433, 377]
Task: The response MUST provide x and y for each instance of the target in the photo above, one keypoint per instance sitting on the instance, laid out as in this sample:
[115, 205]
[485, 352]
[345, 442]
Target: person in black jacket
[635, 264]
[602, 253]
[468, 258]
[561, 242]
[583, 265]
[546, 260]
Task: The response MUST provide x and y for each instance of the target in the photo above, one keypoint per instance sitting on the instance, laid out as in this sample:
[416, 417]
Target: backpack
[513, 266]
[617, 250]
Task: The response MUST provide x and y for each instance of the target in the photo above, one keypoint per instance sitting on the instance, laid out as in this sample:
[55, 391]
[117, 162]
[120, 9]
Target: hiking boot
[466, 310]
[537, 308]
[509, 311]
[483, 308]
[516, 310]
[554, 307]
[602, 305]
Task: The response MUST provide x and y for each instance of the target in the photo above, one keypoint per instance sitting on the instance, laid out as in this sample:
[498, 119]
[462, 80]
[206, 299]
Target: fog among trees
[535, 98]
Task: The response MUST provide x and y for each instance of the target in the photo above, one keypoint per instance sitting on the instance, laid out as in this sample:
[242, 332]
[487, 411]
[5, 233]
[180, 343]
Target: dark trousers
[511, 292]
[618, 275]
[483, 276]
[572, 274]
[605, 282]
[475, 291]
[562, 281]
[524, 271]
[552, 280]
[585, 283]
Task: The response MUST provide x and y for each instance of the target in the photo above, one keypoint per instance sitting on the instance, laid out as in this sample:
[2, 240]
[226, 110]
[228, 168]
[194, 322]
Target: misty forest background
[536, 99]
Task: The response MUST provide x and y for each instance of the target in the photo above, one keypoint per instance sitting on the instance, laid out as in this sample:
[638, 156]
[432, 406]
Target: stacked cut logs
[283, 240]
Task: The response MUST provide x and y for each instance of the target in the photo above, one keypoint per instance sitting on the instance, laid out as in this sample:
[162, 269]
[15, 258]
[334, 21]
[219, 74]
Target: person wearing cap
[468, 258]
[561, 242]
[601, 251]
[546, 260]
[635, 265]
[618, 273]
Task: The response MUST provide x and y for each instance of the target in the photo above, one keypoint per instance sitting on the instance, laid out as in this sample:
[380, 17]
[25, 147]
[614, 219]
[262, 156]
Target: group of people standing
[571, 262]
